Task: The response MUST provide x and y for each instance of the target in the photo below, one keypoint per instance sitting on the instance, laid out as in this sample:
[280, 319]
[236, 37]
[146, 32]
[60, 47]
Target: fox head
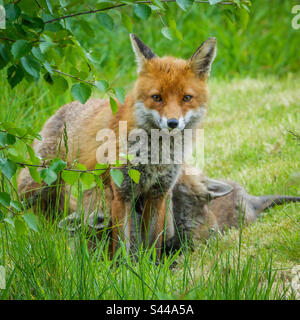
[171, 93]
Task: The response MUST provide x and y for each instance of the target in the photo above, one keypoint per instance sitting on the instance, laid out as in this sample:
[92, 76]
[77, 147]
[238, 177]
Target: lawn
[246, 140]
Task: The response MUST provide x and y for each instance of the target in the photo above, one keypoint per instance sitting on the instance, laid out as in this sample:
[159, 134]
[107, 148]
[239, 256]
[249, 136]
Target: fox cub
[169, 94]
[200, 207]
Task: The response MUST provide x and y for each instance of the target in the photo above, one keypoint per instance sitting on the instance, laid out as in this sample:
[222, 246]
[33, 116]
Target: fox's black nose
[172, 123]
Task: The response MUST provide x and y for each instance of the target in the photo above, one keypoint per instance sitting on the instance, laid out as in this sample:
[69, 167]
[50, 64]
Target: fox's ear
[217, 188]
[203, 58]
[142, 52]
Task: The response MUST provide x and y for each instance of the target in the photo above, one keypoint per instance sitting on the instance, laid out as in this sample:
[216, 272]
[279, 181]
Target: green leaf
[10, 221]
[85, 26]
[8, 167]
[5, 199]
[94, 56]
[48, 78]
[37, 24]
[70, 177]
[33, 133]
[167, 32]
[7, 139]
[127, 22]
[10, 139]
[31, 66]
[81, 92]
[242, 18]
[3, 139]
[12, 11]
[49, 5]
[60, 85]
[105, 20]
[159, 4]
[134, 175]
[81, 167]
[48, 175]
[4, 53]
[35, 174]
[31, 220]
[87, 179]
[178, 34]
[113, 105]
[16, 205]
[15, 75]
[184, 4]
[101, 168]
[36, 51]
[20, 48]
[102, 85]
[120, 94]
[22, 132]
[99, 182]
[117, 176]
[34, 160]
[57, 165]
[142, 11]
[8, 125]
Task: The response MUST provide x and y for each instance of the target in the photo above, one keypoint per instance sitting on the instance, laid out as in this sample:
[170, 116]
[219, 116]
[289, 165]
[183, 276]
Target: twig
[21, 138]
[76, 78]
[38, 4]
[7, 39]
[85, 12]
[75, 170]
[161, 19]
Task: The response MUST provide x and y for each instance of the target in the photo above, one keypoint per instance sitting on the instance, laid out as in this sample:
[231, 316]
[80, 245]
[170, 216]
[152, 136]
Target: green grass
[246, 140]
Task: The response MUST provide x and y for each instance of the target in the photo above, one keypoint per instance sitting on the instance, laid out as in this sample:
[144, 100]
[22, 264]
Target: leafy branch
[84, 13]
[123, 5]
[44, 42]
[64, 169]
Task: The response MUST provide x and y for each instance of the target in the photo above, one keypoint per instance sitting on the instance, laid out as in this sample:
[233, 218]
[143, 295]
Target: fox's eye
[157, 98]
[187, 98]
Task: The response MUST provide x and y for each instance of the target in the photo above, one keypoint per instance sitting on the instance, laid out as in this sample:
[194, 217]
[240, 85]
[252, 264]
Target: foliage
[13, 141]
[44, 38]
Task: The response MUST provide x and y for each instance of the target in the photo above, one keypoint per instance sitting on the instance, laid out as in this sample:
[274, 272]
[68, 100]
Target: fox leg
[153, 222]
[121, 222]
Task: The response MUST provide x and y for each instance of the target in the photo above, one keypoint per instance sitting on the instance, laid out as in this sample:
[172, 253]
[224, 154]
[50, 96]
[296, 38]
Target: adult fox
[169, 94]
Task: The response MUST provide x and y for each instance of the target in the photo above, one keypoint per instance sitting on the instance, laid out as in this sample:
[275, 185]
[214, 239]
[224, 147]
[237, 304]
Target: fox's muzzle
[172, 123]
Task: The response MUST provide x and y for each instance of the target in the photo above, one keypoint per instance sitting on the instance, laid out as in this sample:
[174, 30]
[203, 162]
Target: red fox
[169, 93]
